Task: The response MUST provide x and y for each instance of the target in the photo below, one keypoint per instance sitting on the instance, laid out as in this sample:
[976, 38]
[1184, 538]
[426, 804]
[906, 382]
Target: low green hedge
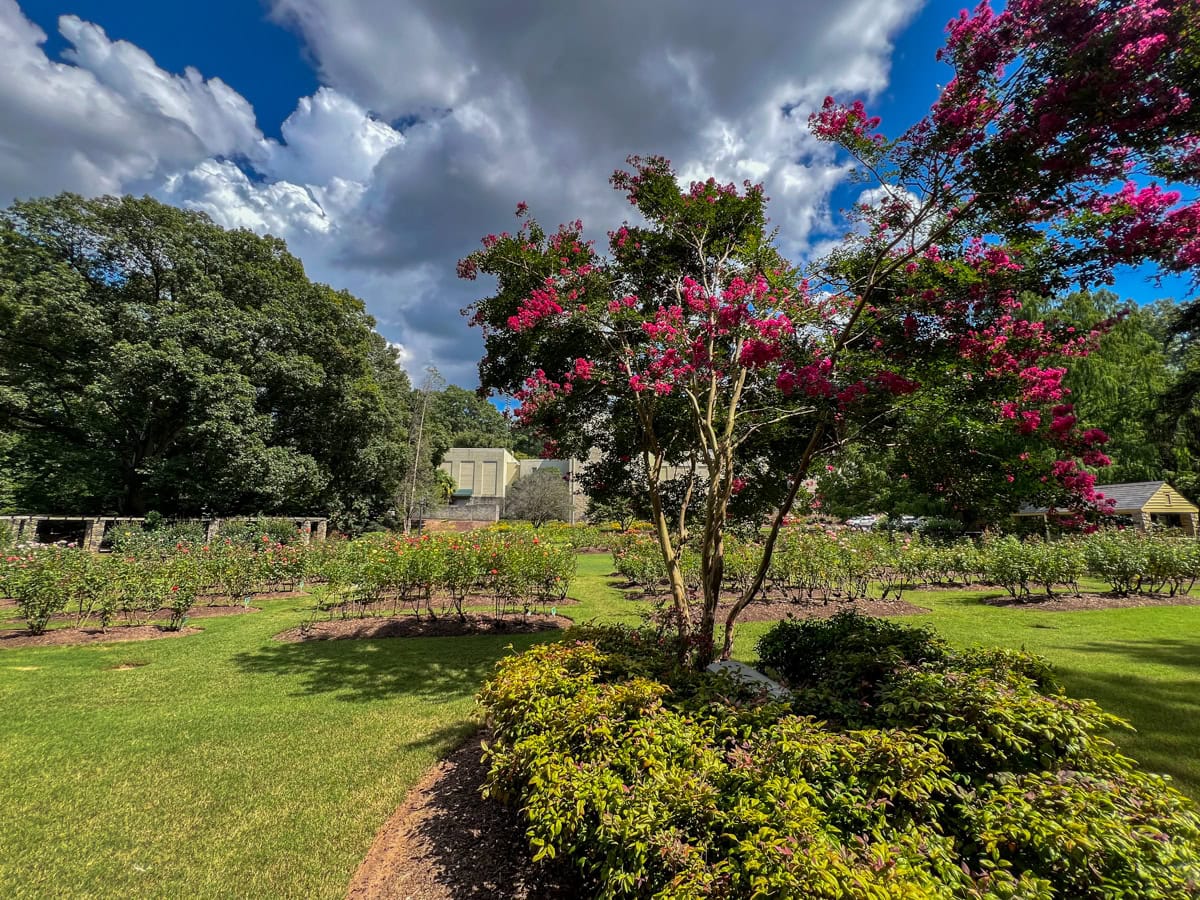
[929, 774]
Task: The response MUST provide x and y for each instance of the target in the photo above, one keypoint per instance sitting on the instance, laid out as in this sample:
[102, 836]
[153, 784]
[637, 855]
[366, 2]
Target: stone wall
[476, 511]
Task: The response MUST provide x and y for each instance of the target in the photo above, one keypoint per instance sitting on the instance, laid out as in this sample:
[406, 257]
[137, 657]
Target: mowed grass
[1142, 664]
[228, 764]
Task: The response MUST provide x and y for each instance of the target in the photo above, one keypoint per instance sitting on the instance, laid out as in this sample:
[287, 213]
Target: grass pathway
[228, 764]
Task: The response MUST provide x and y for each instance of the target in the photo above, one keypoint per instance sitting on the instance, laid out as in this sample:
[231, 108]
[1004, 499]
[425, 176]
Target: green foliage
[130, 537]
[1131, 562]
[540, 497]
[40, 590]
[970, 780]
[518, 572]
[262, 531]
[814, 565]
[845, 658]
[150, 359]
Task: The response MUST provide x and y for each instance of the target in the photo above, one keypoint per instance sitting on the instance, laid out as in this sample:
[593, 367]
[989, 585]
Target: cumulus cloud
[438, 116]
[109, 119]
[542, 104]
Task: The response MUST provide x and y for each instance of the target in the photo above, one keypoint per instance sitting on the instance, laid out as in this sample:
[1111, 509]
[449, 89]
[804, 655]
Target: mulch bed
[60, 637]
[774, 607]
[1073, 603]
[411, 626]
[448, 843]
[443, 607]
[196, 612]
[776, 610]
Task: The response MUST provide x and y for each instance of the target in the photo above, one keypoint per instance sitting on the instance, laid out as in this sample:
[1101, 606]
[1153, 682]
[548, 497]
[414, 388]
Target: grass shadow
[1165, 714]
[1175, 652]
[443, 668]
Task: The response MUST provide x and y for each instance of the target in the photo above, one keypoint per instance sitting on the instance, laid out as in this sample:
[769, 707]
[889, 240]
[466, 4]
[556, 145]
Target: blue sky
[382, 138]
[233, 40]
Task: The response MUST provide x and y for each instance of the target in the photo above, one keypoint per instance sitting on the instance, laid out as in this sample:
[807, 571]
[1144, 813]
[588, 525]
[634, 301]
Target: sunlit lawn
[228, 764]
[1142, 664]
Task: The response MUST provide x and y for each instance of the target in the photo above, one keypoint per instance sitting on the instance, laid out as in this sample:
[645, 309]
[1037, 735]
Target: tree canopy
[152, 360]
[541, 496]
[695, 346]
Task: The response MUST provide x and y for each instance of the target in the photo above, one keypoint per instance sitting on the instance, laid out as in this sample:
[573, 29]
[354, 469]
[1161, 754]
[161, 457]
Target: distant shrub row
[809, 564]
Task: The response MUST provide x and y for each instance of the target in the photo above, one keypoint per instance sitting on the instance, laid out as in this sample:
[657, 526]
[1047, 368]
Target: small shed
[1149, 504]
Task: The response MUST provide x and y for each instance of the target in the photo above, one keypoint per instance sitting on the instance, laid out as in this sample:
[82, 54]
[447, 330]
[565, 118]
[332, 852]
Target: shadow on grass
[445, 668]
[1165, 714]
[1177, 652]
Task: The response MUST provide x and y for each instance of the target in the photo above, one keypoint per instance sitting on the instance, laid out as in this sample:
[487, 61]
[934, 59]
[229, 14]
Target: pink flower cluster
[537, 306]
[836, 121]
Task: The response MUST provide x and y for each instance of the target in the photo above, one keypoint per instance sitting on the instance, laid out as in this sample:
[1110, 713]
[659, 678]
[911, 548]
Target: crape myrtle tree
[693, 340]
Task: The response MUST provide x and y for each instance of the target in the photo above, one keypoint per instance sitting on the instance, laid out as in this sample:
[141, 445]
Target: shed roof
[1130, 496]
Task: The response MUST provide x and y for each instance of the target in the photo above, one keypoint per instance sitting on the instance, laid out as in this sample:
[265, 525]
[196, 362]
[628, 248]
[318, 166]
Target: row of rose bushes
[104, 588]
[432, 573]
[810, 564]
[346, 577]
[898, 768]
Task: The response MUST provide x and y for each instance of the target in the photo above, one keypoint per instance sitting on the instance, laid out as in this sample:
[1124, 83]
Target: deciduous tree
[152, 360]
[693, 337]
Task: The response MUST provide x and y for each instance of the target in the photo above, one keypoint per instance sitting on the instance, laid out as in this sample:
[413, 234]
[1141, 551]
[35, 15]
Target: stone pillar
[306, 532]
[322, 529]
[1143, 520]
[93, 534]
[1191, 524]
[212, 528]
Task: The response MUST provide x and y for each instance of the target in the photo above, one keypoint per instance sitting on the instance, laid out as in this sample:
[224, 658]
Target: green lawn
[231, 765]
[1141, 664]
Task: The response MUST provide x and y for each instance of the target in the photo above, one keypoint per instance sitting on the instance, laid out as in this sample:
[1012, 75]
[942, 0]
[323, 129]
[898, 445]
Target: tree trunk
[764, 564]
[662, 531]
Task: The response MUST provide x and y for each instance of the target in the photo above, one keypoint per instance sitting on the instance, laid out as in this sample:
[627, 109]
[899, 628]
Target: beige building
[481, 473]
[483, 476]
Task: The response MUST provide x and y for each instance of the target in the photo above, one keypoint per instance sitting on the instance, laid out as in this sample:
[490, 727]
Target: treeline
[1140, 386]
[153, 361]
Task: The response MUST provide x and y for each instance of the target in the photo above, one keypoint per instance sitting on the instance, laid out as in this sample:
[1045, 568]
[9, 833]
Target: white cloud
[537, 103]
[542, 105]
[328, 138]
[110, 121]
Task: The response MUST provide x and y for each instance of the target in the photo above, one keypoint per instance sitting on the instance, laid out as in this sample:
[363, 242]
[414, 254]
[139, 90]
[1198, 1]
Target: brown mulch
[775, 607]
[196, 612]
[1074, 603]
[448, 843]
[443, 606]
[12, 640]
[776, 610]
[411, 626]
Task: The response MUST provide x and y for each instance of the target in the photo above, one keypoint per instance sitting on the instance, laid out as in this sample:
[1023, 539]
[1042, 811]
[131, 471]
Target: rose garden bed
[58, 637]
[1077, 602]
[375, 627]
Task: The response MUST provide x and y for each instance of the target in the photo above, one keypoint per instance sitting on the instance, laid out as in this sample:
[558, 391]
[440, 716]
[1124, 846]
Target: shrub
[154, 537]
[972, 780]
[41, 586]
[841, 661]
